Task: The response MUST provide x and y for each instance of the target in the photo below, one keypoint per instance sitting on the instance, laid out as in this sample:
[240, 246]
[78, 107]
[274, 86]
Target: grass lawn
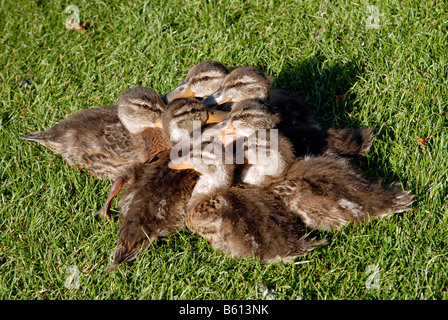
[389, 59]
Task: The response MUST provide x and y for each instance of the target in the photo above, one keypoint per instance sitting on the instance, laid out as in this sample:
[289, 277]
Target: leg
[114, 191]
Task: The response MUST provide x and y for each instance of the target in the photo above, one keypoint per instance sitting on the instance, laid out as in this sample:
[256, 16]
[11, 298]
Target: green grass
[397, 75]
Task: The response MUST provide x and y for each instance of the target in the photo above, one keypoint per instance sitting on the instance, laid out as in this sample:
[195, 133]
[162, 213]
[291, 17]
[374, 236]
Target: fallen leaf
[320, 31]
[71, 24]
[423, 141]
[341, 98]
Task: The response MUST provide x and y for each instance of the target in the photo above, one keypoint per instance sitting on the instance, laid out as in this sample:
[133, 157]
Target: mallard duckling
[249, 133]
[154, 198]
[297, 116]
[241, 220]
[109, 139]
[201, 81]
[325, 192]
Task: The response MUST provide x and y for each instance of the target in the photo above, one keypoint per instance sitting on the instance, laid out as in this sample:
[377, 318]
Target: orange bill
[215, 116]
[181, 91]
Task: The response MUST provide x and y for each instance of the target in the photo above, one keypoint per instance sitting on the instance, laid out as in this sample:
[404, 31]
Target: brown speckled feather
[153, 202]
[152, 205]
[240, 219]
[327, 193]
[324, 191]
[97, 140]
[247, 221]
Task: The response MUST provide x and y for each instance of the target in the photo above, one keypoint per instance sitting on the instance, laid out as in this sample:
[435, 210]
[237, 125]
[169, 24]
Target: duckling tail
[368, 135]
[303, 247]
[350, 143]
[310, 245]
[402, 202]
[127, 251]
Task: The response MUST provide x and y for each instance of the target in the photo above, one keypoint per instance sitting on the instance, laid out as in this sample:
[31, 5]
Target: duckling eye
[205, 78]
[145, 106]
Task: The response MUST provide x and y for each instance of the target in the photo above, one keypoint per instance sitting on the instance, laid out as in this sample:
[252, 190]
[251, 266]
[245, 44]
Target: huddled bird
[224, 154]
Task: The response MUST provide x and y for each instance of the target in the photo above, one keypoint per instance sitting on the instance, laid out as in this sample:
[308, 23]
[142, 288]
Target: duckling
[325, 192]
[250, 83]
[241, 220]
[201, 81]
[109, 139]
[297, 116]
[152, 206]
[154, 198]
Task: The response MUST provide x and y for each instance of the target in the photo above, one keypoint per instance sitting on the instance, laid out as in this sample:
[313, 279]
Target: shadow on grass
[324, 85]
[327, 84]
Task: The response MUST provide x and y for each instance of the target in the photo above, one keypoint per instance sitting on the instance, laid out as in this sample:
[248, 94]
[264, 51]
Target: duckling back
[96, 140]
[244, 221]
[327, 193]
[152, 205]
[59, 137]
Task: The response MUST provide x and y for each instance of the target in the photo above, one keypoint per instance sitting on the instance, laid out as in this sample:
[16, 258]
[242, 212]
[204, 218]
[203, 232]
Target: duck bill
[158, 124]
[225, 127]
[224, 132]
[216, 116]
[217, 98]
[181, 91]
[181, 163]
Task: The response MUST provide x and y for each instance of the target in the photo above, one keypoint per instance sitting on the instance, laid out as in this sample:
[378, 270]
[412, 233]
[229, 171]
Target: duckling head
[248, 116]
[201, 81]
[183, 116]
[242, 83]
[213, 162]
[267, 153]
[140, 108]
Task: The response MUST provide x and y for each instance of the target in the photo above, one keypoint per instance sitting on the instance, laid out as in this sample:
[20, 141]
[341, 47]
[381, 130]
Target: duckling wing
[117, 141]
[115, 150]
[349, 143]
[152, 205]
[205, 217]
[327, 193]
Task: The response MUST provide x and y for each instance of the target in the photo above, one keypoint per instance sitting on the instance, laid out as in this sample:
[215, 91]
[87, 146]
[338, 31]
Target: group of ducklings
[261, 206]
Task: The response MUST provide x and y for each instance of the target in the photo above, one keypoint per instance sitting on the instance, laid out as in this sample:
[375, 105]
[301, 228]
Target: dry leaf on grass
[341, 98]
[423, 141]
[71, 24]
